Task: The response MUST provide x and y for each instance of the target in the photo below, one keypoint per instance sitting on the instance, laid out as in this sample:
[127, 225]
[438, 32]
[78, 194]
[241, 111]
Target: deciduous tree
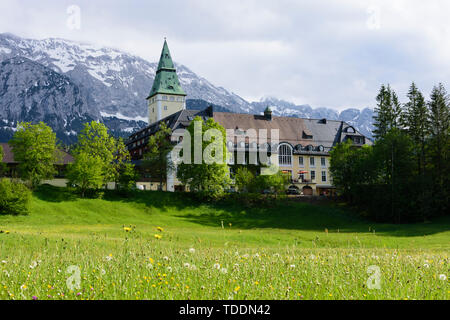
[35, 150]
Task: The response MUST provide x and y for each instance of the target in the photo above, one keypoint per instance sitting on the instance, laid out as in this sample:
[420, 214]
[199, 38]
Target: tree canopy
[34, 147]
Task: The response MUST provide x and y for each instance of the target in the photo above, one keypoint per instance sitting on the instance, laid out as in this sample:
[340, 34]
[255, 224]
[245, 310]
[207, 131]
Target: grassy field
[165, 246]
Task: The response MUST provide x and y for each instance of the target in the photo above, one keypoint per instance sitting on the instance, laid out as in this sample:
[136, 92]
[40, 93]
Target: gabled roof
[8, 155]
[294, 131]
[166, 79]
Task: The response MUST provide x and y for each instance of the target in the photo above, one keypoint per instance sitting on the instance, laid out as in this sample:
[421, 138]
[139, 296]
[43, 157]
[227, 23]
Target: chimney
[268, 114]
[210, 111]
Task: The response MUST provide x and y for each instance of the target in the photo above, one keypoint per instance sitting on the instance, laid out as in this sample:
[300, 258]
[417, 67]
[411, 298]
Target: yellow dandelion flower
[151, 260]
[127, 229]
[157, 236]
[256, 282]
[159, 229]
[237, 289]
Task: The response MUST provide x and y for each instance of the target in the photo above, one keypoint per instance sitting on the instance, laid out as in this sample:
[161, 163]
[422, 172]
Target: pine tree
[387, 112]
[415, 120]
[396, 111]
[439, 129]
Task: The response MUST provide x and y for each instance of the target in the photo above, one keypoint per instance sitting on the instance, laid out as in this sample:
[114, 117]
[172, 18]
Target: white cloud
[328, 53]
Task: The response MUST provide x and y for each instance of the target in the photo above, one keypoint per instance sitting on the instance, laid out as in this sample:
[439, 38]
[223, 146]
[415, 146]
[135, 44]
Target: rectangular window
[172, 98]
[300, 161]
[324, 176]
[165, 107]
[313, 175]
[311, 162]
[323, 162]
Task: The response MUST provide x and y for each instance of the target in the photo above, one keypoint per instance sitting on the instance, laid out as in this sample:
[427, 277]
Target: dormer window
[306, 135]
[358, 140]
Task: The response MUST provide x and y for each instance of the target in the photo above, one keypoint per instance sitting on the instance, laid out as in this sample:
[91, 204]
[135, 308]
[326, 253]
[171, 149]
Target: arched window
[285, 155]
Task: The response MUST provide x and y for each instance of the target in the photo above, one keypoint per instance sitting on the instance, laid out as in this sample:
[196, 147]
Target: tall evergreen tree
[387, 112]
[396, 111]
[439, 105]
[416, 122]
[380, 117]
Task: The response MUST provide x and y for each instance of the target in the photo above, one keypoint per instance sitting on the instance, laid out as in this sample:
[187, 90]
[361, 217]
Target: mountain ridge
[117, 84]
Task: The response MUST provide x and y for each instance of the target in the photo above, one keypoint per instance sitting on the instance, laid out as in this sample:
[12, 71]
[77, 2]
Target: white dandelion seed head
[169, 269]
[312, 257]
[426, 265]
[442, 277]
[166, 258]
[216, 266]
[186, 265]
[292, 266]
[193, 267]
[192, 250]
[108, 258]
[224, 270]
[33, 264]
[4, 261]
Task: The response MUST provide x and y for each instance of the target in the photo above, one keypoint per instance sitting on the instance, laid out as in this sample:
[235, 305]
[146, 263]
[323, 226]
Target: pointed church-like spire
[166, 79]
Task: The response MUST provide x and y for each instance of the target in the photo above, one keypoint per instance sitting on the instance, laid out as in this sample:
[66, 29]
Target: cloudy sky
[323, 53]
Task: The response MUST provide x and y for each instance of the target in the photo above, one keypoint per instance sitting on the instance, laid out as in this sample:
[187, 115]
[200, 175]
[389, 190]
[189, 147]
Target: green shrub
[15, 197]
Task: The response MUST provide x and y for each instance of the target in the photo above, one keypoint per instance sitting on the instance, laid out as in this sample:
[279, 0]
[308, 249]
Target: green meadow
[157, 245]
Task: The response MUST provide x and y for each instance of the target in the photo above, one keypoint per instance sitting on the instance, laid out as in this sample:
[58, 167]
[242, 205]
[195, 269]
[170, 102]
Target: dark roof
[177, 120]
[295, 131]
[8, 155]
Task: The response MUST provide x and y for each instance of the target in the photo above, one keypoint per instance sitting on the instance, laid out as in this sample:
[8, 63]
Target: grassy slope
[58, 213]
[62, 230]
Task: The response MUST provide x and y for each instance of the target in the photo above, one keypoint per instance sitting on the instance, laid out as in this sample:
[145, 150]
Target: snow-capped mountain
[116, 84]
[30, 91]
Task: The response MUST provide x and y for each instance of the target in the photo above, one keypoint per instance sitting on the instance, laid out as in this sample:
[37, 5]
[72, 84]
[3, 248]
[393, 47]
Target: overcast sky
[323, 53]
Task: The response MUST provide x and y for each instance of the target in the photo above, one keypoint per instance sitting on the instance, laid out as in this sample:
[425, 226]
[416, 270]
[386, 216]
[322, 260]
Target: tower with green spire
[166, 96]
